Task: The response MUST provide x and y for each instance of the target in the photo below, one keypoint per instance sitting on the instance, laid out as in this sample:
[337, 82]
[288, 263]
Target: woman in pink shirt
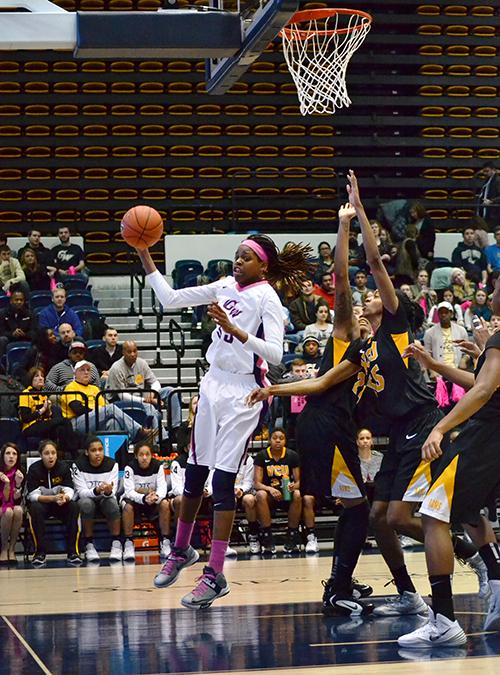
[11, 513]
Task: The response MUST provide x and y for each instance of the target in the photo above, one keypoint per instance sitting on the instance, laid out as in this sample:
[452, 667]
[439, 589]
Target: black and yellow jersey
[490, 410]
[339, 399]
[398, 383]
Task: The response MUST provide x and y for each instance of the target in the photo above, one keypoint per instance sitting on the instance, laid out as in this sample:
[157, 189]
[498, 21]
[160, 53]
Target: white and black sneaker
[406, 603]
[253, 544]
[39, 560]
[342, 604]
[439, 631]
[492, 621]
[267, 543]
[360, 590]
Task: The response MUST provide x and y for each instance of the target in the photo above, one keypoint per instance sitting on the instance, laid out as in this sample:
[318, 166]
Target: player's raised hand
[346, 213]
[431, 449]
[468, 347]
[353, 189]
[258, 394]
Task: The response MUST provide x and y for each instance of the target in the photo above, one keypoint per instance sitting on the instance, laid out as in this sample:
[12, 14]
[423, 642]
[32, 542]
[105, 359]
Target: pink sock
[217, 555]
[183, 535]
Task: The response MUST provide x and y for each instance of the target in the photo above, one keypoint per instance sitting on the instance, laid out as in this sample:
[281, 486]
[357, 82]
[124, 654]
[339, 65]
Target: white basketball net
[317, 51]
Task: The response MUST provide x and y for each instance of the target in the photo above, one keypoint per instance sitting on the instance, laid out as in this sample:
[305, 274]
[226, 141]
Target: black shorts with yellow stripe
[403, 476]
[468, 475]
[329, 462]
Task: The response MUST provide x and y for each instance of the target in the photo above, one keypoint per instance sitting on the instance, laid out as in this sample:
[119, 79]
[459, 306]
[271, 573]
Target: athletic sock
[490, 553]
[349, 539]
[253, 528]
[402, 580]
[217, 554]
[183, 534]
[442, 598]
[461, 548]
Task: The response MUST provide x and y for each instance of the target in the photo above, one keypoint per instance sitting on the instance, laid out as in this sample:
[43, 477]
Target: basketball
[141, 226]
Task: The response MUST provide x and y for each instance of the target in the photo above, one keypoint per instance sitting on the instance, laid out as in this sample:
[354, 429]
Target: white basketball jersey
[256, 309]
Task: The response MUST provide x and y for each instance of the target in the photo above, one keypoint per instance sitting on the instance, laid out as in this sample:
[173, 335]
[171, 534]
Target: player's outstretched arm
[147, 261]
[377, 267]
[316, 385]
[485, 386]
[345, 328]
[419, 353]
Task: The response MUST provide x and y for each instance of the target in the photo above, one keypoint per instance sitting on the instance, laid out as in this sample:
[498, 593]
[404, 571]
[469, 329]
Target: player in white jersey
[249, 333]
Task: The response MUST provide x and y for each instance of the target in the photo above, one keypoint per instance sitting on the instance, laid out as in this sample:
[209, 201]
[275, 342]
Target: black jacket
[102, 360]
[41, 481]
[11, 319]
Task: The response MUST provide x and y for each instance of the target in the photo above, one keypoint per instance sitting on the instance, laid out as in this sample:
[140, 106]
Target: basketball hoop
[318, 45]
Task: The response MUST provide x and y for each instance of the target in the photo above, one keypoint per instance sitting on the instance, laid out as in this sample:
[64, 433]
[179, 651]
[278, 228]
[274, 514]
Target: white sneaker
[115, 555]
[165, 548]
[438, 631]
[312, 545]
[407, 542]
[492, 621]
[254, 544]
[477, 565]
[91, 554]
[129, 551]
[406, 603]
[231, 552]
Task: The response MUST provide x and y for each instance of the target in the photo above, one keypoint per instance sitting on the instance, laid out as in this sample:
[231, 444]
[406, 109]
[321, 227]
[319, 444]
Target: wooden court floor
[110, 620]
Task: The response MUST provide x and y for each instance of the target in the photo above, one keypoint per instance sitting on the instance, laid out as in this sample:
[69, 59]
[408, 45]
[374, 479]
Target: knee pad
[196, 476]
[223, 490]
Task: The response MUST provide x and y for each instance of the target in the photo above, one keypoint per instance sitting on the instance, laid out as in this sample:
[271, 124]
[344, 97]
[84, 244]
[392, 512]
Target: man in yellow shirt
[80, 399]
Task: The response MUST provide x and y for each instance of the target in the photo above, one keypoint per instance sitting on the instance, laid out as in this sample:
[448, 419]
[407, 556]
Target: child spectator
[50, 493]
[144, 498]
[11, 512]
[95, 478]
[277, 482]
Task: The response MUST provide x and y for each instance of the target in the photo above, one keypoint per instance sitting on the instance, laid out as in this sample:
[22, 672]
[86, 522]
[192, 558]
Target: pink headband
[256, 248]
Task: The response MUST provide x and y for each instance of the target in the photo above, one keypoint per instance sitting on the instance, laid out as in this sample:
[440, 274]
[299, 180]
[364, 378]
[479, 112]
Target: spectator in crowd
[17, 323]
[38, 276]
[4, 241]
[311, 351]
[34, 242]
[370, 459]
[11, 273]
[110, 352]
[68, 258]
[420, 228]
[406, 289]
[50, 493]
[11, 512]
[245, 501]
[81, 408]
[489, 195]
[479, 307]
[40, 419]
[463, 288]
[63, 372]
[356, 254]
[144, 498]
[421, 285]
[133, 372]
[407, 261]
[360, 287]
[277, 483]
[448, 296]
[481, 229]
[58, 312]
[303, 308]
[325, 260]
[470, 257]
[95, 478]
[44, 352]
[67, 336]
[385, 246]
[322, 327]
[492, 253]
[326, 289]
[439, 340]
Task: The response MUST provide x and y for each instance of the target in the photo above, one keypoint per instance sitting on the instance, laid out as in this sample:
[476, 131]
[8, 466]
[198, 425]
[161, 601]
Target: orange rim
[316, 14]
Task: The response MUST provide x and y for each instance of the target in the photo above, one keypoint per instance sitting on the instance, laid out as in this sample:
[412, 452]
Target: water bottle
[287, 495]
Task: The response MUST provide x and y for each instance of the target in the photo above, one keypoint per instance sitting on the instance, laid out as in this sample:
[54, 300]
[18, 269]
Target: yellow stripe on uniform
[343, 482]
[419, 484]
[401, 340]
[339, 349]
[437, 502]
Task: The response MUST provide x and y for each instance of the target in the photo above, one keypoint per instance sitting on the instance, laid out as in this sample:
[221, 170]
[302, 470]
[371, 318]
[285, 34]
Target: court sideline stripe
[27, 646]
